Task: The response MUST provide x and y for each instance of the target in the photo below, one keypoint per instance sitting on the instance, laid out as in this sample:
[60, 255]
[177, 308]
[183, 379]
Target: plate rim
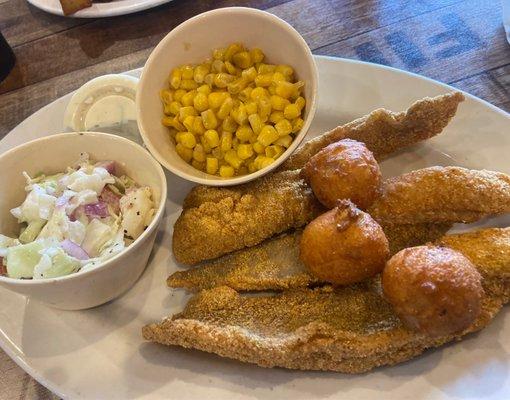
[99, 10]
[10, 348]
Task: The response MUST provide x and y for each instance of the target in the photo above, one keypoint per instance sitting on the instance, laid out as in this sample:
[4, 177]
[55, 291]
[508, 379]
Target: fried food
[344, 170]
[72, 6]
[442, 194]
[349, 329]
[385, 132]
[246, 216]
[275, 265]
[344, 245]
[434, 290]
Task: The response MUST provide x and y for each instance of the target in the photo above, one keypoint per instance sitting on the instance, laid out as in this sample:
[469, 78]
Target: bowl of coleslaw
[80, 218]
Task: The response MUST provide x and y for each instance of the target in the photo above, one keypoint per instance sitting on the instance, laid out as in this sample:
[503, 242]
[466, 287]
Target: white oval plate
[99, 10]
[99, 353]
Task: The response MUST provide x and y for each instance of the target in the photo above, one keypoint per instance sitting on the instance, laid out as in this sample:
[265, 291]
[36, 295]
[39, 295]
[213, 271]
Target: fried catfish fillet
[351, 329]
[442, 194]
[275, 265]
[385, 132]
[243, 216]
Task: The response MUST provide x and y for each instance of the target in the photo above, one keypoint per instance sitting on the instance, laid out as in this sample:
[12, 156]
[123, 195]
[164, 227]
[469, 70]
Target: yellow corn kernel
[279, 103]
[209, 119]
[284, 141]
[274, 151]
[216, 99]
[219, 53]
[298, 87]
[226, 141]
[218, 66]
[244, 95]
[234, 48]
[205, 89]
[297, 124]
[212, 138]
[167, 110]
[188, 84]
[178, 94]
[271, 89]
[276, 116]
[291, 111]
[186, 111]
[217, 153]
[286, 70]
[200, 102]
[222, 79]
[244, 132]
[257, 55]
[259, 148]
[166, 96]
[251, 167]
[205, 145]
[283, 127]
[200, 72]
[225, 108]
[258, 92]
[183, 152]
[232, 159]
[264, 106]
[263, 80]
[251, 107]
[253, 138]
[187, 139]
[198, 165]
[249, 74]
[209, 79]
[173, 107]
[199, 153]
[178, 136]
[198, 126]
[268, 135]
[188, 122]
[174, 123]
[284, 89]
[300, 102]
[168, 121]
[278, 77]
[255, 123]
[231, 69]
[187, 72]
[262, 161]
[229, 124]
[226, 171]
[244, 151]
[235, 143]
[237, 85]
[266, 68]
[239, 114]
[175, 78]
[211, 165]
[242, 60]
[187, 99]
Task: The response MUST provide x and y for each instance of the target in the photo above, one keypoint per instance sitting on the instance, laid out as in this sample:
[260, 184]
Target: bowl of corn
[227, 96]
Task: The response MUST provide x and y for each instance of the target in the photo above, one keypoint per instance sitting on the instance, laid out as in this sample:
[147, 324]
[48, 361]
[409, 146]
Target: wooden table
[460, 42]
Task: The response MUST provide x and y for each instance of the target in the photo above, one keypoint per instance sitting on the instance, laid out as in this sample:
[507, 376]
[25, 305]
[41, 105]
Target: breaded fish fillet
[385, 132]
[351, 329]
[442, 194]
[244, 217]
[275, 265]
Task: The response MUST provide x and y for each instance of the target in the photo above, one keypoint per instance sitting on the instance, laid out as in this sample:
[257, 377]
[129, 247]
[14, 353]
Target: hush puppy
[344, 245]
[434, 290]
[344, 170]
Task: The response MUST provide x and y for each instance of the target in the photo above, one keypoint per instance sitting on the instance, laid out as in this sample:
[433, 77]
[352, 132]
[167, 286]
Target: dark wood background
[460, 42]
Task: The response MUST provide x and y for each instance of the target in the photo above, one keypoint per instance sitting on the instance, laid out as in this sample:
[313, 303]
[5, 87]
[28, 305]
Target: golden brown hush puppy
[344, 170]
[434, 290]
[344, 245]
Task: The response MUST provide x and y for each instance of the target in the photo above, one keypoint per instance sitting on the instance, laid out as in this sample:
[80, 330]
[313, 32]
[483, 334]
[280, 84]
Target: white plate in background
[100, 354]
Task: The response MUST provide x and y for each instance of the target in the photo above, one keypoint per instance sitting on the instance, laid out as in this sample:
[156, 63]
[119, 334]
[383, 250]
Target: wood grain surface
[459, 42]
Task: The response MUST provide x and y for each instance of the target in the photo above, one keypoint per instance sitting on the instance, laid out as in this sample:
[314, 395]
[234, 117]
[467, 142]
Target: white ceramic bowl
[53, 154]
[192, 42]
